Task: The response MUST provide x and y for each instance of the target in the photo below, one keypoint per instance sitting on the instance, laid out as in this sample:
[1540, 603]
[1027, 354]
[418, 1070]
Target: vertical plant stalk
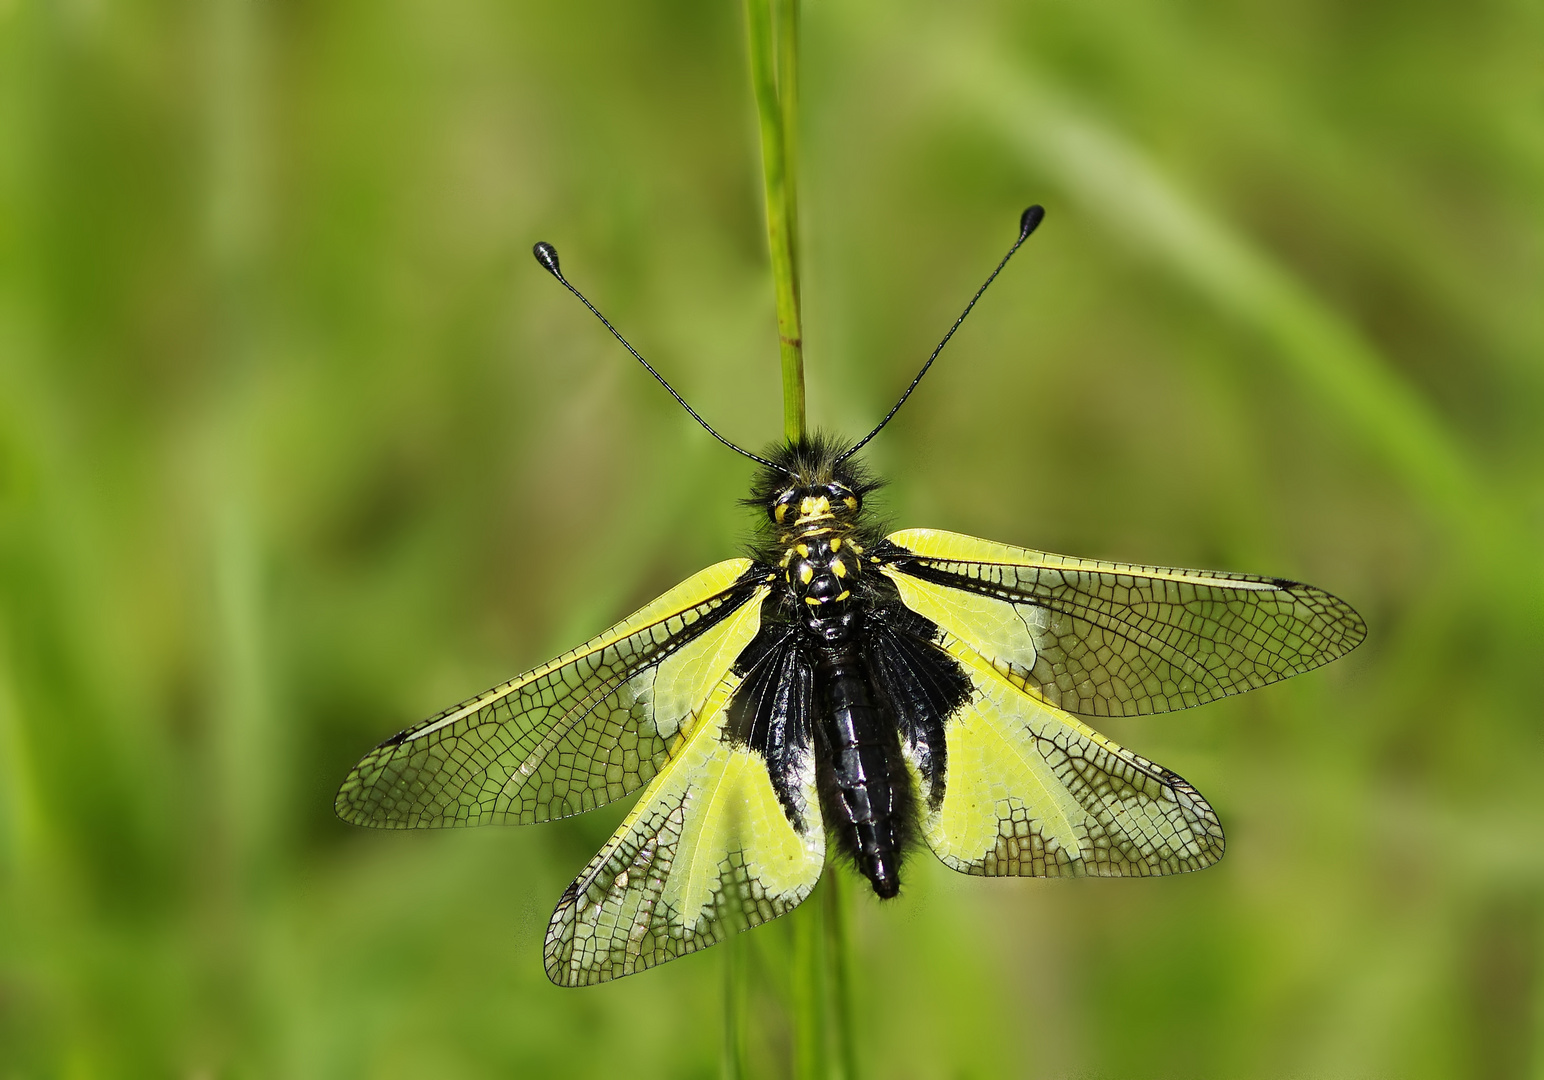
[736, 1009]
[808, 991]
[820, 976]
[835, 911]
[774, 55]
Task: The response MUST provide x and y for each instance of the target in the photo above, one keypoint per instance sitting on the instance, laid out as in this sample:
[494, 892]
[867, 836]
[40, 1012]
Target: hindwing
[716, 844]
[585, 729]
[1115, 639]
[1034, 792]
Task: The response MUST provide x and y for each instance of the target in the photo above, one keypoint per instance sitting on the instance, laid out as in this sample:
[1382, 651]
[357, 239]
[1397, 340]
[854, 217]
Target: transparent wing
[1030, 791]
[1111, 639]
[709, 850]
[575, 733]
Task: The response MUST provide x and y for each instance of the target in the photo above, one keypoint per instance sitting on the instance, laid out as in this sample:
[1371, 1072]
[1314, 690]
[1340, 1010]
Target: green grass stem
[834, 909]
[774, 78]
[736, 1009]
[808, 991]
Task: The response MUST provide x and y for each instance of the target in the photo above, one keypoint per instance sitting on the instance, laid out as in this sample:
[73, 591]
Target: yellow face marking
[836, 543]
[806, 573]
[814, 507]
[852, 502]
[838, 568]
[780, 513]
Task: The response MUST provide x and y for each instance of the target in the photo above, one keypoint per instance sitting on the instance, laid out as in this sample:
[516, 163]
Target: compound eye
[841, 495]
[778, 511]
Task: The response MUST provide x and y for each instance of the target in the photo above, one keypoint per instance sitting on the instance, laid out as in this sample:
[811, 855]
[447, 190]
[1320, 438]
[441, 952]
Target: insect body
[920, 688]
[821, 614]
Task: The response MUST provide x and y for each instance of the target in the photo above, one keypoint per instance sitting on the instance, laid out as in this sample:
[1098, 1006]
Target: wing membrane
[709, 850]
[573, 734]
[1033, 792]
[1114, 639]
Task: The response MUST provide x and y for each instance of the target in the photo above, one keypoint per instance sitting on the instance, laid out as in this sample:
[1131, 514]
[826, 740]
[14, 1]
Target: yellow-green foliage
[298, 445]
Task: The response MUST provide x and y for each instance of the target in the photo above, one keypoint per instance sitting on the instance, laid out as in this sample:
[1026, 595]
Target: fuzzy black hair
[811, 462]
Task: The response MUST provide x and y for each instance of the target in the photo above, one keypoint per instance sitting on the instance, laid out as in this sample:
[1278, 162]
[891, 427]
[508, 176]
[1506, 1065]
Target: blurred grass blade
[1120, 185]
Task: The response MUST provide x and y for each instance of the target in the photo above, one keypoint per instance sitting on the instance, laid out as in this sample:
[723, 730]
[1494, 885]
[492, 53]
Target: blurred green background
[298, 445]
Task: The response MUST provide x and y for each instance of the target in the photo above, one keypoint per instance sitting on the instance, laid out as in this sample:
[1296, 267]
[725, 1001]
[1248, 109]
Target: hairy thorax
[818, 535]
[822, 564]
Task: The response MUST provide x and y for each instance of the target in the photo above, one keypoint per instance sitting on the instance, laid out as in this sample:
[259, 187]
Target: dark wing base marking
[1117, 640]
[920, 685]
[773, 710]
[711, 848]
[1035, 792]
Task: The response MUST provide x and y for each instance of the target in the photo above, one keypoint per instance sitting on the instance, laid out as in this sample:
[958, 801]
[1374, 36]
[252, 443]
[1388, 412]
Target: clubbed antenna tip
[1029, 221]
[547, 255]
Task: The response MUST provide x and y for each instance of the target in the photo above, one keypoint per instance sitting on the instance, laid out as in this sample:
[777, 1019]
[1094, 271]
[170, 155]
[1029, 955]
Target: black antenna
[547, 255]
[1028, 221]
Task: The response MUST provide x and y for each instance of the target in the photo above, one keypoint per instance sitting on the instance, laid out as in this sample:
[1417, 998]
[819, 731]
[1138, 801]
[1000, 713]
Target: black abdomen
[864, 787]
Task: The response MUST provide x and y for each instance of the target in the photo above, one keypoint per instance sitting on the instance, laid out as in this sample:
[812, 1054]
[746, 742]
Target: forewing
[1033, 792]
[710, 849]
[576, 733]
[1113, 639]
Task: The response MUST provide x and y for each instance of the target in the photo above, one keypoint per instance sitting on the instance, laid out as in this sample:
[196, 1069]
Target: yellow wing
[708, 850]
[576, 733]
[1030, 791]
[1112, 639]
